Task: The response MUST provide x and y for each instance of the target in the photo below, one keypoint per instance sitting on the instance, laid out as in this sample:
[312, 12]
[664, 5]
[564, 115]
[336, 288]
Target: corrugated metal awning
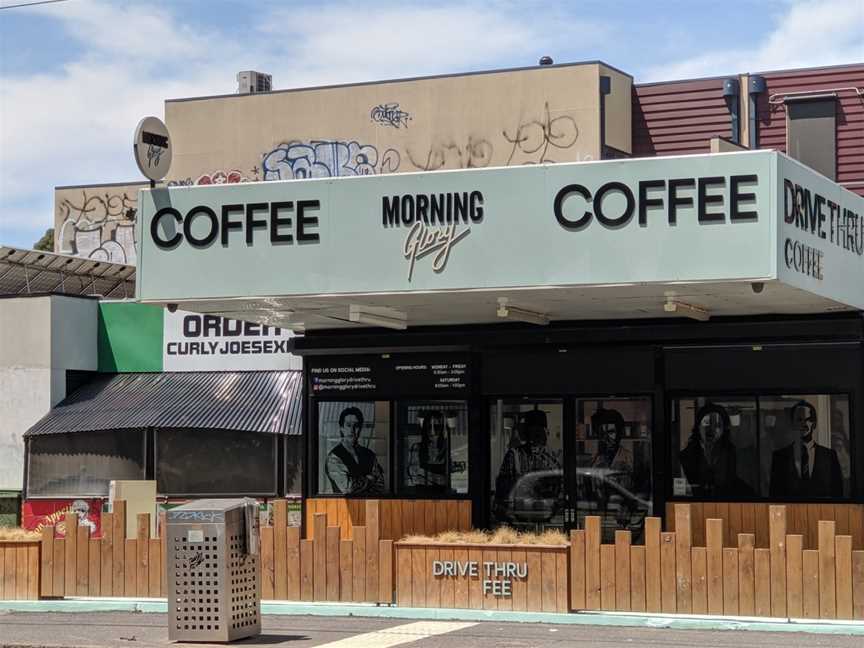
[251, 401]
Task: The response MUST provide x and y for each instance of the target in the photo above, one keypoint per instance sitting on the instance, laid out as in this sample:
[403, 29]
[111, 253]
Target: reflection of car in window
[537, 497]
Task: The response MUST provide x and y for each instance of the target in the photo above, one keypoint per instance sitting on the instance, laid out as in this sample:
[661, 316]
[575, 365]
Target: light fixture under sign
[506, 311]
[687, 310]
[361, 315]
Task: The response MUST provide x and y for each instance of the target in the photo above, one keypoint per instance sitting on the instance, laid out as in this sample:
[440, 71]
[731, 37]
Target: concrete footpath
[142, 623]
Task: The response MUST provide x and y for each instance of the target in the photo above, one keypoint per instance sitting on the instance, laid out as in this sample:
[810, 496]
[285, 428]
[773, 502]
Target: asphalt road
[136, 630]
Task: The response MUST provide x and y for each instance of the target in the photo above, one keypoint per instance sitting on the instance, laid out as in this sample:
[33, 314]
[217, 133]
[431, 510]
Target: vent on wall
[250, 82]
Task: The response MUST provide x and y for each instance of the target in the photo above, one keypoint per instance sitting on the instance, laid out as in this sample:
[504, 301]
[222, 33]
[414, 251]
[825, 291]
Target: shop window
[215, 462]
[612, 442]
[354, 448]
[294, 465]
[432, 446]
[526, 458]
[756, 446]
[805, 447]
[82, 464]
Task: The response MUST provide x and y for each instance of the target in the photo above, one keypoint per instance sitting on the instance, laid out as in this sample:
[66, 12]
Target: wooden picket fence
[669, 574]
[114, 565]
[19, 570]
[396, 518]
[325, 566]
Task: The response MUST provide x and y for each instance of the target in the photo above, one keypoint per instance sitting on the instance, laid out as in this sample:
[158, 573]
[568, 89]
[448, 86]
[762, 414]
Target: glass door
[527, 451]
[609, 464]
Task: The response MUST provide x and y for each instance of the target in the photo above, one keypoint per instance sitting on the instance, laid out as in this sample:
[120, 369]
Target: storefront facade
[555, 341]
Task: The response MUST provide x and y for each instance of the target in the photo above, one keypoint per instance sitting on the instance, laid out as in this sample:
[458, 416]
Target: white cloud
[74, 125]
[809, 34]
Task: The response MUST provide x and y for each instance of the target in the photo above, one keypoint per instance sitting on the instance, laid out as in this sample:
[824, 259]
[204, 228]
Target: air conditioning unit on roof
[250, 82]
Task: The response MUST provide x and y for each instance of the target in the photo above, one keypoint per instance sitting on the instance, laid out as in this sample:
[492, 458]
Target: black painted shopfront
[541, 426]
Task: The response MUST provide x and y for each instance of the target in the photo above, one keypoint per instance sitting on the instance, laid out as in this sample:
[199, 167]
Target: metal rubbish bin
[213, 570]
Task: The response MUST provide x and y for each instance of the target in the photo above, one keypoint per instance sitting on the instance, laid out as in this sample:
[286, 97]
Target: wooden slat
[858, 584]
[409, 526]
[332, 563]
[21, 571]
[810, 562]
[462, 584]
[762, 582]
[762, 526]
[373, 530]
[3, 552]
[130, 587]
[440, 516]
[319, 553]
[813, 514]
[827, 574]
[8, 584]
[562, 587]
[433, 583]
[156, 567]
[59, 588]
[699, 580]
[622, 571]
[280, 524]
[843, 575]
[82, 568]
[550, 579]
[71, 557]
[346, 573]
[47, 567]
[730, 581]
[577, 570]
[452, 515]
[418, 576]
[386, 512]
[505, 602]
[307, 592]
[292, 563]
[856, 525]
[520, 585]
[714, 559]
[668, 587]
[748, 520]
[106, 551]
[653, 595]
[777, 539]
[683, 542]
[637, 579]
[33, 571]
[607, 577]
[94, 575]
[593, 597]
[465, 515]
[397, 527]
[359, 562]
[118, 548]
[534, 596]
[385, 572]
[267, 582]
[746, 574]
[794, 576]
[142, 549]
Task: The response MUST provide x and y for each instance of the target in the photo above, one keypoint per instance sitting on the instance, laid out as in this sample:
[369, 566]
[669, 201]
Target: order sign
[196, 342]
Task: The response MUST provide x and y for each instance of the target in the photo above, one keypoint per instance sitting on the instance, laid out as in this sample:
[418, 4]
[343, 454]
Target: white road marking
[398, 635]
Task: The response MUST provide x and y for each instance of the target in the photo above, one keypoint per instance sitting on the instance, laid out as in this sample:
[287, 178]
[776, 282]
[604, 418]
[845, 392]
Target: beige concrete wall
[619, 110]
[496, 119]
[40, 339]
[97, 221]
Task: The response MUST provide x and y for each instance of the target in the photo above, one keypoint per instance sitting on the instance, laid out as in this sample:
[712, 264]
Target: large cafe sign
[755, 216]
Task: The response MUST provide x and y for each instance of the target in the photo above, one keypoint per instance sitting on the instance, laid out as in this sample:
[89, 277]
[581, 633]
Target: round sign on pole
[152, 148]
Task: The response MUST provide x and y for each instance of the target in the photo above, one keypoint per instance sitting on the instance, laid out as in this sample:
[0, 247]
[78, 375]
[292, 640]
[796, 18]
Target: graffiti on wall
[230, 176]
[99, 226]
[390, 114]
[534, 137]
[473, 153]
[327, 159]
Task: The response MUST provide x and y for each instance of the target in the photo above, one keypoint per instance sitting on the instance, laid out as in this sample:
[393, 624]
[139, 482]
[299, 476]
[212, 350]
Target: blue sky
[75, 76]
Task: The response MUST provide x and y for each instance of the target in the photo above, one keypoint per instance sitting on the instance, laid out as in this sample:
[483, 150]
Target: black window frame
[262, 494]
[673, 396]
[145, 457]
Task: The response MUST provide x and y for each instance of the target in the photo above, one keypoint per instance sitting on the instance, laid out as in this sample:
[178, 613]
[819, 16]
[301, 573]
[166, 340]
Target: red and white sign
[41, 513]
